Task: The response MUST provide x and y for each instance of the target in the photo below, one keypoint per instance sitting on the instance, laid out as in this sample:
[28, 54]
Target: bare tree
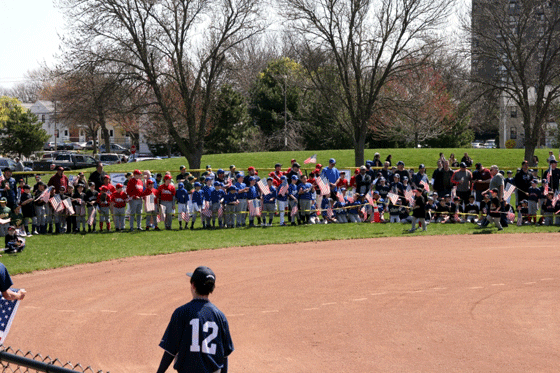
[353, 48]
[422, 107]
[516, 53]
[177, 48]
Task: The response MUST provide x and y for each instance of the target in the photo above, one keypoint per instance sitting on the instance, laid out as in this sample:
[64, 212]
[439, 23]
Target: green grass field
[53, 251]
[505, 158]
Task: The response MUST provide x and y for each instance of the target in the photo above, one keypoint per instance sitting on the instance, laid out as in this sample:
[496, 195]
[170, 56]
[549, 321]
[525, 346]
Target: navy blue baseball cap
[240, 175]
[220, 171]
[294, 177]
[283, 178]
[268, 179]
[251, 178]
[208, 179]
[217, 183]
[400, 163]
[332, 160]
[202, 275]
[232, 188]
[197, 184]
[180, 185]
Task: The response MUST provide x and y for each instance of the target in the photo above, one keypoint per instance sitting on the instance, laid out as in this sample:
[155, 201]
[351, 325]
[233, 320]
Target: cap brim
[189, 274]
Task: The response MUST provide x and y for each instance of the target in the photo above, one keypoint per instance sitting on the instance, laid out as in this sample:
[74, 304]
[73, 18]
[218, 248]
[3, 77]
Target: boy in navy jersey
[197, 336]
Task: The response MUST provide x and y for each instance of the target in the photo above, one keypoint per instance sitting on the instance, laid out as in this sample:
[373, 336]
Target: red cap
[103, 189]
[60, 168]
[357, 171]
[119, 185]
[292, 161]
[137, 172]
[319, 166]
[167, 177]
[251, 168]
[107, 177]
[150, 181]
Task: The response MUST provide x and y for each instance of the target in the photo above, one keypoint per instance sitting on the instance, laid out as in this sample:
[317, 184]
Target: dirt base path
[480, 303]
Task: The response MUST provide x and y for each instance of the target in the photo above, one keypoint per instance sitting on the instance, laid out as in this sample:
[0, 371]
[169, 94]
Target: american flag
[68, 204]
[185, 217]
[364, 213]
[350, 197]
[393, 197]
[45, 195]
[221, 211]
[323, 186]
[340, 197]
[92, 216]
[555, 199]
[206, 210]
[453, 193]
[511, 216]
[162, 213]
[330, 212]
[425, 185]
[284, 189]
[312, 159]
[409, 195]
[2, 177]
[294, 210]
[150, 203]
[508, 190]
[369, 198]
[8, 312]
[56, 203]
[255, 207]
[263, 186]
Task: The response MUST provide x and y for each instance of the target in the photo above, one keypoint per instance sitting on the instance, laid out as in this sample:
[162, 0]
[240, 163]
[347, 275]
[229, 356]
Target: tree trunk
[104, 130]
[529, 152]
[194, 158]
[359, 146]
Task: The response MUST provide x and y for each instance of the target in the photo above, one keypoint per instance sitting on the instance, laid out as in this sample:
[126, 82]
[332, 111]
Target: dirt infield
[480, 303]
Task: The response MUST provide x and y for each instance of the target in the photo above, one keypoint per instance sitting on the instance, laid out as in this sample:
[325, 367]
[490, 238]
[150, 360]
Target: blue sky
[29, 37]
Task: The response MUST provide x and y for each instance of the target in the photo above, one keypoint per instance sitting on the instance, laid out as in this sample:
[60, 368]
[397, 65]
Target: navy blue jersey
[207, 192]
[198, 336]
[307, 188]
[240, 187]
[270, 197]
[253, 192]
[198, 197]
[5, 280]
[182, 195]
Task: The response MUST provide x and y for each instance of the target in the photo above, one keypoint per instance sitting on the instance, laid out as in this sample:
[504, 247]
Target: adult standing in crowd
[58, 180]
[8, 188]
[331, 174]
[554, 175]
[97, 176]
[183, 175]
[497, 183]
[462, 178]
[363, 181]
[522, 181]
[481, 179]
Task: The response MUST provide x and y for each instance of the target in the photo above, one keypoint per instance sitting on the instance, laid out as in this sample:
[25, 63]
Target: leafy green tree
[7, 104]
[276, 98]
[22, 133]
[231, 126]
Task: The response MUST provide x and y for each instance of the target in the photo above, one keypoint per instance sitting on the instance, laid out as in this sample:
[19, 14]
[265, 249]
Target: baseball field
[455, 303]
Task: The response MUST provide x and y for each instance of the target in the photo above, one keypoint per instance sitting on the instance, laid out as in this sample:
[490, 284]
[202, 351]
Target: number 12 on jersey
[207, 346]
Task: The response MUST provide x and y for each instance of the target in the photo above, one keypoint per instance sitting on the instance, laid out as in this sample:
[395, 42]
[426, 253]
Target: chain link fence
[22, 362]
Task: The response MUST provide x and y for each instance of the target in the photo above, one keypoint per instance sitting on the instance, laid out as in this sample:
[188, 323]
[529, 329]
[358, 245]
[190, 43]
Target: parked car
[109, 158]
[70, 161]
[477, 144]
[78, 145]
[89, 144]
[490, 144]
[7, 162]
[115, 148]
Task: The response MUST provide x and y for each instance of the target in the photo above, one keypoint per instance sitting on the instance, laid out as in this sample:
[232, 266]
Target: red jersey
[103, 200]
[342, 183]
[135, 188]
[153, 191]
[110, 188]
[276, 175]
[166, 192]
[119, 199]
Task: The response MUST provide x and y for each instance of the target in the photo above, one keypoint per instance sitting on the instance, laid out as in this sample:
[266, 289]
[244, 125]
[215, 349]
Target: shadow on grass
[483, 231]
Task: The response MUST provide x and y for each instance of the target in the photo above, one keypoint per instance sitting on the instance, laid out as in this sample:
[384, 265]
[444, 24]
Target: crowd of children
[377, 192]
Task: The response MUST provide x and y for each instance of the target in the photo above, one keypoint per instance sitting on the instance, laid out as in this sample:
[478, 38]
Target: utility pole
[285, 114]
[55, 122]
